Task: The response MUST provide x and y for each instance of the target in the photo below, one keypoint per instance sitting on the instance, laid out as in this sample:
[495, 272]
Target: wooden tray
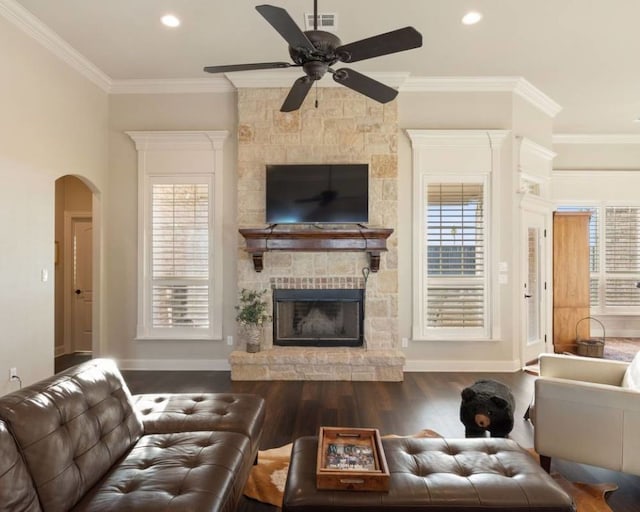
[351, 459]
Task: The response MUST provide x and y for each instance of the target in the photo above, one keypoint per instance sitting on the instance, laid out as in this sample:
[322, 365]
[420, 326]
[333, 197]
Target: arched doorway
[74, 265]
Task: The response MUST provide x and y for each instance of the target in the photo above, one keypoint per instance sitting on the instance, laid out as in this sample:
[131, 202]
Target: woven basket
[590, 347]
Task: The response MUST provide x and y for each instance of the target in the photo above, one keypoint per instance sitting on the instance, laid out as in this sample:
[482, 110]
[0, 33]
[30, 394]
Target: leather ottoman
[441, 475]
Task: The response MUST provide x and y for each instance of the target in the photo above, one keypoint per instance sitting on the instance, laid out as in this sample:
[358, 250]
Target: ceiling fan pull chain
[316, 103]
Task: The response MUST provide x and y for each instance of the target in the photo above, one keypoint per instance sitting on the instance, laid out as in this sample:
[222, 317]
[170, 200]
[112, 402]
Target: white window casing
[179, 234]
[455, 200]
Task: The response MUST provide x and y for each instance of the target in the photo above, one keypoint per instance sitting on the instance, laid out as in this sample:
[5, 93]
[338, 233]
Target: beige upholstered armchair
[588, 411]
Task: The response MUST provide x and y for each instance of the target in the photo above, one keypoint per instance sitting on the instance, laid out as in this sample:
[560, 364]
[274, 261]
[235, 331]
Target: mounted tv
[317, 193]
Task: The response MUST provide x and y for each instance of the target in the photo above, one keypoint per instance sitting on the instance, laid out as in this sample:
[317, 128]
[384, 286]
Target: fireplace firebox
[318, 317]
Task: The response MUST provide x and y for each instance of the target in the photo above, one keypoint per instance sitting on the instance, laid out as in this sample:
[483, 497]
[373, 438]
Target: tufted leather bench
[79, 441]
[436, 475]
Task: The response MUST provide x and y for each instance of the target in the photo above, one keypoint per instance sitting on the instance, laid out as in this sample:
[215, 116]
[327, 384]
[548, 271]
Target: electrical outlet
[13, 373]
[405, 343]
[230, 340]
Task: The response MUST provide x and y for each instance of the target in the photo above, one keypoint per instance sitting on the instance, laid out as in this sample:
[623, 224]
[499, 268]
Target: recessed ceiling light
[471, 18]
[169, 20]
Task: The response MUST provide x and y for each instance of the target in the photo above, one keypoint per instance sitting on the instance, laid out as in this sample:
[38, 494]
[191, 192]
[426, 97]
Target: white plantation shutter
[180, 255]
[455, 255]
[622, 256]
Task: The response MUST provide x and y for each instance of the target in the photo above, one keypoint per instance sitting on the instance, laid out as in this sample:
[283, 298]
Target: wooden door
[571, 273]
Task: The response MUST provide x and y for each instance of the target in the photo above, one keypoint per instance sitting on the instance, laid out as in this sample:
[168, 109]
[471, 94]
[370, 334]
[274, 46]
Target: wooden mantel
[370, 240]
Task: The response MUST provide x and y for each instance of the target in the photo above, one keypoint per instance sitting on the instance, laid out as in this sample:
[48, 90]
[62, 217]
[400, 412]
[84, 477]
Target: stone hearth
[311, 363]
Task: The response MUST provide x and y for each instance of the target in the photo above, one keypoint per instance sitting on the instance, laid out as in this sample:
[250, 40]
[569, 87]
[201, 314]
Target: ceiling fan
[316, 51]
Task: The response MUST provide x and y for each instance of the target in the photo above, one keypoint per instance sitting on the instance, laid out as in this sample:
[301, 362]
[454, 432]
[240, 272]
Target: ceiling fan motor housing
[324, 42]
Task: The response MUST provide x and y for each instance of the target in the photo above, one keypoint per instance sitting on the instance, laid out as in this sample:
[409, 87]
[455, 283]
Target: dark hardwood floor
[423, 400]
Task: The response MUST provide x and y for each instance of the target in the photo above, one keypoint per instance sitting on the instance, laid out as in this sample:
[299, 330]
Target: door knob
[78, 292]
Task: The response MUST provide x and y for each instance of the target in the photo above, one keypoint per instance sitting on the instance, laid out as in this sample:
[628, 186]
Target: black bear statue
[487, 406]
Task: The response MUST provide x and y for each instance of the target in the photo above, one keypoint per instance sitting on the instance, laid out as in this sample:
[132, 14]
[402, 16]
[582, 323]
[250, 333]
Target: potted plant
[252, 313]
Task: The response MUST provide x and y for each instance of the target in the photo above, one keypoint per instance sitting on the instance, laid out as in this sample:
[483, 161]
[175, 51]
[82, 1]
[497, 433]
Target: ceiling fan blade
[364, 85]
[297, 94]
[246, 67]
[286, 27]
[391, 42]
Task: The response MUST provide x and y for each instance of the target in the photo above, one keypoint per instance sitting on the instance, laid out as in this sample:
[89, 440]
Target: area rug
[268, 477]
[587, 497]
[621, 349]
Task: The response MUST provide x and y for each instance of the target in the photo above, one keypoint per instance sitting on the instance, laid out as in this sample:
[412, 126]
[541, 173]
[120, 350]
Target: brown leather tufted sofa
[79, 441]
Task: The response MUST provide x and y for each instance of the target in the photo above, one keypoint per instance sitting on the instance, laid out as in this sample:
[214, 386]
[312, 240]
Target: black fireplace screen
[327, 317]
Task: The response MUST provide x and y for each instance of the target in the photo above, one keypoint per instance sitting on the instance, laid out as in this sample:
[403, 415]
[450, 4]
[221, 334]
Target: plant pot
[253, 337]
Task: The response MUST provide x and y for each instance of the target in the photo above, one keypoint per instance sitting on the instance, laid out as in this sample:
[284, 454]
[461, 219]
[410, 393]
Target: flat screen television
[317, 193]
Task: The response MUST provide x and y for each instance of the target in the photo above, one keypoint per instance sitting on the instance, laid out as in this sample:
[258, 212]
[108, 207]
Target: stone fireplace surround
[345, 128]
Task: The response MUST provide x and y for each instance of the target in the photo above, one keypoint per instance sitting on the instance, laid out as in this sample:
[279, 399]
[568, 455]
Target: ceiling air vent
[327, 21]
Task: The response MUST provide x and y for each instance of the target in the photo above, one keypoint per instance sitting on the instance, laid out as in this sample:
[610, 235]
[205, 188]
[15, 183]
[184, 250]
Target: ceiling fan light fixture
[471, 18]
[170, 20]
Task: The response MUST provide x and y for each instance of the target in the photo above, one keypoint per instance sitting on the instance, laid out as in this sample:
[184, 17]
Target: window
[454, 212]
[180, 255]
[180, 235]
[615, 257]
[622, 256]
[455, 280]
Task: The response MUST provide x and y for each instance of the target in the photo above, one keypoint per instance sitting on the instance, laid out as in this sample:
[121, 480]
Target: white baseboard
[410, 366]
[461, 366]
[174, 364]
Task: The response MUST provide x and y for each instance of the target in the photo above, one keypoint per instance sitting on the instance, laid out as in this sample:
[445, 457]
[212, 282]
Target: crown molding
[595, 138]
[517, 85]
[280, 78]
[215, 84]
[33, 27]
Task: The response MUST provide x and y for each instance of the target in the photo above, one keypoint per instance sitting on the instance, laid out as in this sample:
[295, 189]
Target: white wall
[52, 122]
[487, 110]
[597, 156]
[132, 112]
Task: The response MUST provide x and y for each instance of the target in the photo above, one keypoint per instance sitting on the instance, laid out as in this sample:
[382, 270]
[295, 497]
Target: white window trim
[184, 155]
[467, 155]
